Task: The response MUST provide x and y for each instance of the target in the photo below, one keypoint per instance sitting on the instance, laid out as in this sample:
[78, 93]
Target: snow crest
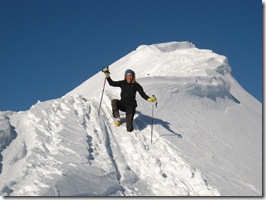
[207, 134]
[168, 46]
[65, 150]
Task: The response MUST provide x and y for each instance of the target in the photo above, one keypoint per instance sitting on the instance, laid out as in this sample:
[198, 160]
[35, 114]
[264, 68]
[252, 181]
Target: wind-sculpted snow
[174, 59]
[69, 150]
[7, 133]
[59, 153]
[207, 133]
[170, 46]
[7, 130]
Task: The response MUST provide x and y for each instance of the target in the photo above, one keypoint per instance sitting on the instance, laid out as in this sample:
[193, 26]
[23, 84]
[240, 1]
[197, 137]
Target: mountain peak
[178, 59]
[169, 46]
[206, 133]
[172, 46]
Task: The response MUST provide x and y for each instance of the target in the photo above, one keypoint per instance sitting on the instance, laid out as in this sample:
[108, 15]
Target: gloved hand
[106, 72]
[152, 99]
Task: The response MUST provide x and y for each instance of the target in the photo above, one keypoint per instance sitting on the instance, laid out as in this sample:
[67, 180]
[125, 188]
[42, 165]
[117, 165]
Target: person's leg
[130, 112]
[116, 106]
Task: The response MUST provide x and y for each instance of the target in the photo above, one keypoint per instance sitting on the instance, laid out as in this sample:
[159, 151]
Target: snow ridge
[61, 149]
[204, 124]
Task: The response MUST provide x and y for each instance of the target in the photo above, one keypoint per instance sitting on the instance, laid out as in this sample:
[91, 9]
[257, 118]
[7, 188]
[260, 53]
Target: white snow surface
[207, 134]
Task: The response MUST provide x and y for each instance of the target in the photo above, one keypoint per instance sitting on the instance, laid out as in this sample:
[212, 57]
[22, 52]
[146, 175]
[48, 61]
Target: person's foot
[130, 129]
[116, 114]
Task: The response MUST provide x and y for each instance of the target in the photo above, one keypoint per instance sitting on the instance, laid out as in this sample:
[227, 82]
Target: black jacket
[128, 91]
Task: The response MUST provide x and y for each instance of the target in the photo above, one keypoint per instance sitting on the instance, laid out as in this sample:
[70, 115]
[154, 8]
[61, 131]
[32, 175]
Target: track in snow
[159, 164]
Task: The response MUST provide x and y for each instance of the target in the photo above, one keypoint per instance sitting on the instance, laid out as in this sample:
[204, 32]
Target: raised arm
[110, 81]
[113, 83]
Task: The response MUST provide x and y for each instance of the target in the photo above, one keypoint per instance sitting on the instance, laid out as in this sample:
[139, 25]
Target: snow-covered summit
[170, 46]
[173, 59]
[206, 136]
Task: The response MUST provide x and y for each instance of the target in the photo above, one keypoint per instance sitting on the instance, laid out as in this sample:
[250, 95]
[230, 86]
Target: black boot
[115, 109]
[116, 114]
[130, 129]
[129, 122]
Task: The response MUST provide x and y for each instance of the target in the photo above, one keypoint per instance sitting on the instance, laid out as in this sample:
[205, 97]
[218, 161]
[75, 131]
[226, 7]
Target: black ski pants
[129, 109]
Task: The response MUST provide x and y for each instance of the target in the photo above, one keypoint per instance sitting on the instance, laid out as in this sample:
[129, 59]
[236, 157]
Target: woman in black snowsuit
[128, 102]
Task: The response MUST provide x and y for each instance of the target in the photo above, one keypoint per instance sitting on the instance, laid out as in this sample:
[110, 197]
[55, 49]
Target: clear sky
[48, 47]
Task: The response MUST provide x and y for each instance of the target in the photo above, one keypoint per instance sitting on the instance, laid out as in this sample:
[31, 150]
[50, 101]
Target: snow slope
[207, 134]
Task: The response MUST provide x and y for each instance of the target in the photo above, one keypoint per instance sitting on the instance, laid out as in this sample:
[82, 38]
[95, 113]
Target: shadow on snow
[143, 121]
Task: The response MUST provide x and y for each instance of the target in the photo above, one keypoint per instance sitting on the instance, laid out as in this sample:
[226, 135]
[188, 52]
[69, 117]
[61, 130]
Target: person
[129, 86]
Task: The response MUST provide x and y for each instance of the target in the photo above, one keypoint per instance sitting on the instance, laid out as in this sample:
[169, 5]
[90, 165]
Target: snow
[207, 134]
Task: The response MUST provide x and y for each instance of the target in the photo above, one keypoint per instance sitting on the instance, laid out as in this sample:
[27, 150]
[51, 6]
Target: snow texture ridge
[66, 152]
[206, 140]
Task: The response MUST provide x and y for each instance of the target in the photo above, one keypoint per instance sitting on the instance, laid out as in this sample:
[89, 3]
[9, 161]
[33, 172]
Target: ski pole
[152, 118]
[152, 121]
[102, 97]
[102, 94]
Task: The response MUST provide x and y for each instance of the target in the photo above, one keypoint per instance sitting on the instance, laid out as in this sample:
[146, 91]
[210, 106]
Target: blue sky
[48, 47]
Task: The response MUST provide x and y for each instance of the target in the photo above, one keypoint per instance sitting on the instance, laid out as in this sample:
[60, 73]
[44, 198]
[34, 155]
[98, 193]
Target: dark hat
[129, 71]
